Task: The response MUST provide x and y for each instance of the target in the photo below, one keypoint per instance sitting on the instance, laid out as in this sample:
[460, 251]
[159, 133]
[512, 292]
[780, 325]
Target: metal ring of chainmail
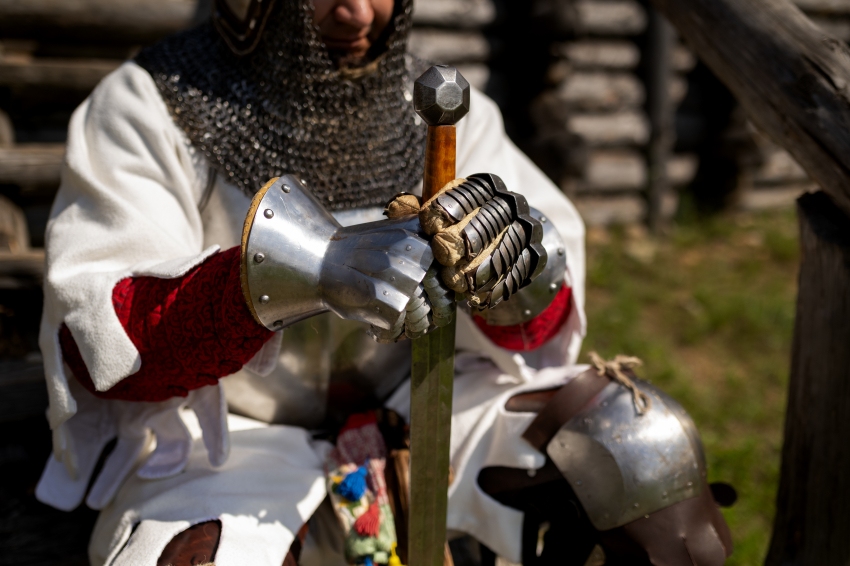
[352, 135]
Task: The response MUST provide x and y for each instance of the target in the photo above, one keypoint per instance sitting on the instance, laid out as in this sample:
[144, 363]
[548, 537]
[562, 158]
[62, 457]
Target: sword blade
[431, 381]
[430, 434]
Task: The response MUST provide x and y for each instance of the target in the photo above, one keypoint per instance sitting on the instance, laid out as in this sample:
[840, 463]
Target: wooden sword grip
[440, 159]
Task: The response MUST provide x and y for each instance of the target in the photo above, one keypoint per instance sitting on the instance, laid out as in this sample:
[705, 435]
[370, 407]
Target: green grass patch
[710, 310]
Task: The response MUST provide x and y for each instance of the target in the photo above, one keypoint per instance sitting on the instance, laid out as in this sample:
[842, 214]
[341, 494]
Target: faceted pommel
[441, 96]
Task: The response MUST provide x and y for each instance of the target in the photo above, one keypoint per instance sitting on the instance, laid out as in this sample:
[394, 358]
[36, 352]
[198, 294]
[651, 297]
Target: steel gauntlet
[297, 261]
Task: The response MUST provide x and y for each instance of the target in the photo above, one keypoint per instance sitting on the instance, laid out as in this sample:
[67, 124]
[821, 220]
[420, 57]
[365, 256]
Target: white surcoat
[130, 204]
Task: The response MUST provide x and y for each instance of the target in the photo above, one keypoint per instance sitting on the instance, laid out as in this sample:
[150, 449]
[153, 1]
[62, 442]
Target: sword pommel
[441, 96]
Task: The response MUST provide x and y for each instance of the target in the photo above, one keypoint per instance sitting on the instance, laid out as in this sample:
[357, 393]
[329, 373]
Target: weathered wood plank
[31, 164]
[449, 47]
[790, 78]
[127, 20]
[55, 73]
[630, 128]
[22, 269]
[600, 54]
[610, 17]
[454, 13]
[614, 171]
[600, 91]
[812, 521]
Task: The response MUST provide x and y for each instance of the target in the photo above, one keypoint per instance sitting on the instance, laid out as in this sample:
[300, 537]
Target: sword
[441, 98]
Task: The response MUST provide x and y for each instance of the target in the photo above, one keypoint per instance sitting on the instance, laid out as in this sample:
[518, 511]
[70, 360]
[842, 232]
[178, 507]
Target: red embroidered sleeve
[534, 333]
[189, 331]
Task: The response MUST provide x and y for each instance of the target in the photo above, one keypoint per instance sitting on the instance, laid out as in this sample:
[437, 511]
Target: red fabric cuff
[189, 331]
[531, 335]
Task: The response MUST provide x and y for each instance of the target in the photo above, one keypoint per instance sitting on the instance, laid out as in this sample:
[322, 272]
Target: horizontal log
[450, 47]
[600, 54]
[454, 13]
[779, 168]
[630, 128]
[614, 171]
[604, 211]
[836, 7]
[78, 74]
[31, 164]
[774, 197]
[681, 169]
[683, 60]
[127, 21]
[610, 17]
[477, 74]
[22, 269]
[600, 91]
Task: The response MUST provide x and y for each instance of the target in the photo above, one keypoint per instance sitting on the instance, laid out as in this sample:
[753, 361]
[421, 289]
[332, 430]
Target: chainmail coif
[352, 135]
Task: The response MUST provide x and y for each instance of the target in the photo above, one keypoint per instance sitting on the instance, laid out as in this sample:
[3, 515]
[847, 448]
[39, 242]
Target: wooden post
[792, 79]
[660, 109]
[813, 506]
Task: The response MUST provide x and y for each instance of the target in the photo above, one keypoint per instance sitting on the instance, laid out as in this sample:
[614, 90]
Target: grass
[710, 310]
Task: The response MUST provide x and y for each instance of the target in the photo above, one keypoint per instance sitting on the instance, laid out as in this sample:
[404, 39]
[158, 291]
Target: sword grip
[440, 159]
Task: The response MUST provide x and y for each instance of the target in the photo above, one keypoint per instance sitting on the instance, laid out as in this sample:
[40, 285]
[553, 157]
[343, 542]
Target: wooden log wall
[598, 96]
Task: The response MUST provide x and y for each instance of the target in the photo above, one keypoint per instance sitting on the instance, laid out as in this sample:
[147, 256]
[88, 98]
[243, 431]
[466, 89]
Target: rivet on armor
[264, 299]
[553, 287]
[259, 257]
[277, 323]
[286, 188]
[560, 251]
[543, 219]
[386, 293]
[408, 247]
[268, 213]
[526, 312]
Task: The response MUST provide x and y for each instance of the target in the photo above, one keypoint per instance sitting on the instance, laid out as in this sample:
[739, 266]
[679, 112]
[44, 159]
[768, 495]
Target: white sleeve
[483, 147]
[127, 205]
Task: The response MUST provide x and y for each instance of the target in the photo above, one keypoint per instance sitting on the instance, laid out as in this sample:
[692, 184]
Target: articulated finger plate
[533, 299]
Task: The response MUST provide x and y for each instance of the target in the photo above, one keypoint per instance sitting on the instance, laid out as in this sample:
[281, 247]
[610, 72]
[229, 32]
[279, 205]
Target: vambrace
[297, 261]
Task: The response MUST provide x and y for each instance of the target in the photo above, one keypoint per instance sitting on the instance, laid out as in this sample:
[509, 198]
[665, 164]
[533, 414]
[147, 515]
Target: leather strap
[564, 405]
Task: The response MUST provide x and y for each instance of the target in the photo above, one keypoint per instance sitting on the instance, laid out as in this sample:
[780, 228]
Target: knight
[227, 301]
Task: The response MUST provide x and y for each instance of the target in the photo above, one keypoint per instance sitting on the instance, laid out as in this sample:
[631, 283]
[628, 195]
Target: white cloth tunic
[128, 206]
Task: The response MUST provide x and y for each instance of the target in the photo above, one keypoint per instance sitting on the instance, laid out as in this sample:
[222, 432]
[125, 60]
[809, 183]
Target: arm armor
[297, 261]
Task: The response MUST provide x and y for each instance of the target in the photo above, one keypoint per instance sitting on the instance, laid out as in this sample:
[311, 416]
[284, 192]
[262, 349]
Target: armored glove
[482, 234]
[297, 261]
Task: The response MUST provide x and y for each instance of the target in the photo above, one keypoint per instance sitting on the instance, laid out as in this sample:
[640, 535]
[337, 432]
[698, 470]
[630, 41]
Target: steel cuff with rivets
[297, 261]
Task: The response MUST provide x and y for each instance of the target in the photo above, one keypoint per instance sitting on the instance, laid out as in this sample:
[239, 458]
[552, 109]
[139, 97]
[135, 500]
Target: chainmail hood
[351, 134]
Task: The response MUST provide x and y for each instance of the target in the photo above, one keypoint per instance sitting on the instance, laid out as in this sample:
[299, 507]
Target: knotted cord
[614, 370]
